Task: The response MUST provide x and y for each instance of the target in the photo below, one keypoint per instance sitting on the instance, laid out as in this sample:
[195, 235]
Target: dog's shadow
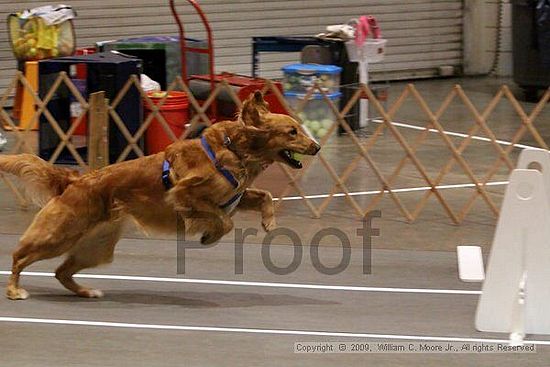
[128, 298]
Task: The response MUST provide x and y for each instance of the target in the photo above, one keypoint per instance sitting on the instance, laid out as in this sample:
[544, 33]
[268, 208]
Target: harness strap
[233, 200]
[231, 203]
[166, 175]
[228, 175]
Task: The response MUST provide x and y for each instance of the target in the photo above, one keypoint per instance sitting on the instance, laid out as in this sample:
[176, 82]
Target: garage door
[422, 34]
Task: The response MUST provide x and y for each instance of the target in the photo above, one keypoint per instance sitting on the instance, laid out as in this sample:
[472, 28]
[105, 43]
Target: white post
[364, 103]
[371, 51]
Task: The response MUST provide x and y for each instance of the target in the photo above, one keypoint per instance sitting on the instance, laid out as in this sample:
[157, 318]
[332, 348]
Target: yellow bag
[42, 33]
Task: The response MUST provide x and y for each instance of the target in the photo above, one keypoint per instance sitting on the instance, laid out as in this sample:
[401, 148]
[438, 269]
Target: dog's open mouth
[291, 158]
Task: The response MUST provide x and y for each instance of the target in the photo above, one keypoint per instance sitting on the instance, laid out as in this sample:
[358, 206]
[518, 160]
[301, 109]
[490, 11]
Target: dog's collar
[166, 181]
[208, 149]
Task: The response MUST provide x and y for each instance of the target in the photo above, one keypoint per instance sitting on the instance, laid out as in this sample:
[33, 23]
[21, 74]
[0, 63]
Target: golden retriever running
[82, 216]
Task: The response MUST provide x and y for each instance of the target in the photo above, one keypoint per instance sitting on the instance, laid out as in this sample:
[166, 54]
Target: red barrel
[175, 111]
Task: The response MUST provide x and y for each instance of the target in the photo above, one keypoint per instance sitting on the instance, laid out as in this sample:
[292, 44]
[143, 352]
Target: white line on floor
[259, 284]
[423, 188]
[406, 189]
[459, 135]
[261, 331]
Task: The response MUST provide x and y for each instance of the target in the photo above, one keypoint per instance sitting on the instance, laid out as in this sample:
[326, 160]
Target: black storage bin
[531, 45]
[349, 79]
[104, 72]
[161, 56]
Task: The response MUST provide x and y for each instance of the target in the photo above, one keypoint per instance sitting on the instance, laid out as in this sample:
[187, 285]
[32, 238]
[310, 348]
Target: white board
[516, 295]
[470, 264]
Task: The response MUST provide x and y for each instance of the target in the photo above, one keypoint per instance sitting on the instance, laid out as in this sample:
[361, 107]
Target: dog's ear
[257, 138]
[171, 152]
[258, 97]
[253, 109]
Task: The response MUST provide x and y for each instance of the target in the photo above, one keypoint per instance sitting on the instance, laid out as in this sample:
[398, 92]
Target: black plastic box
[531, 68]
[107, 72]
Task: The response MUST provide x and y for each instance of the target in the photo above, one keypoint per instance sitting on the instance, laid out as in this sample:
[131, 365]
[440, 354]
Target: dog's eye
[294, 132]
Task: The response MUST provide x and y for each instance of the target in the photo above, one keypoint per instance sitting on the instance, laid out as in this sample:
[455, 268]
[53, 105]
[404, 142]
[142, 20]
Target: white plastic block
[470, 264]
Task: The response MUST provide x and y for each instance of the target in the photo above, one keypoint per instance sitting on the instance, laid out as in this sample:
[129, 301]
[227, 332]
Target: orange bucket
[175, 111]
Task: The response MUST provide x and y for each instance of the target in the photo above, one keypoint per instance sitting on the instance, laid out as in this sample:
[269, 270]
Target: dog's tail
[41, 180]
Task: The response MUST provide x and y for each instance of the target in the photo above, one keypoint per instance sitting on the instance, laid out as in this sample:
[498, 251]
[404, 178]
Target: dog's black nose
[317, 148]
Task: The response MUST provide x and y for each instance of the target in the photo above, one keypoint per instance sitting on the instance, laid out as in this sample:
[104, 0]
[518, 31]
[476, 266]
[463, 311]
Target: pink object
[361, 31]
[373, 27]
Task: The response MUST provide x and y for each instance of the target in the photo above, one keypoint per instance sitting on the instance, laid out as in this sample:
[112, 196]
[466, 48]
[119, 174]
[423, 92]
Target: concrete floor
[200, 320]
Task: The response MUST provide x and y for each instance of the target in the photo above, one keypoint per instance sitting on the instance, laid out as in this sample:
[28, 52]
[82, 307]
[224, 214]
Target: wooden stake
[98, 138]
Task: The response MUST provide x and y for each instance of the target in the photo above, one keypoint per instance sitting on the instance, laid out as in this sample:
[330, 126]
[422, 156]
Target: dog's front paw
[269, 224]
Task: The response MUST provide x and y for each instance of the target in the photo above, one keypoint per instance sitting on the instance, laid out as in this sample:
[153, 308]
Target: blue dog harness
[221, 170]
[232, 203]
[166, 175]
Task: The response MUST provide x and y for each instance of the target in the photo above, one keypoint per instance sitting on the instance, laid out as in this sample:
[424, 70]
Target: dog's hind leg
[27, 253]
[95, 248]
[53, 232]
